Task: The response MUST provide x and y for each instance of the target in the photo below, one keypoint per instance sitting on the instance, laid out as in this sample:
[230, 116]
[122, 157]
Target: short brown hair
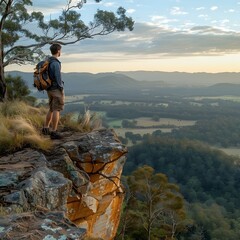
[55, 47]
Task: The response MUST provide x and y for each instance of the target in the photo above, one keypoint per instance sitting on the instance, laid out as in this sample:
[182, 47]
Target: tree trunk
[3, 88]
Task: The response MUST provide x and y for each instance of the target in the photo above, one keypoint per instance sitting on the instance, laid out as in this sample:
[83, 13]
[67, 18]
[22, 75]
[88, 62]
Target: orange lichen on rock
[80, 177]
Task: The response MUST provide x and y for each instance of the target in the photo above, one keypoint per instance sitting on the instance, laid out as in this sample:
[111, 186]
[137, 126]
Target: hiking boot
[55, 135]
[45, 131]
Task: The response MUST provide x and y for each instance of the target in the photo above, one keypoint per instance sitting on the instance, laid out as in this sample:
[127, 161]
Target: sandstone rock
[79, 176]
[39, 225]
[27, 183]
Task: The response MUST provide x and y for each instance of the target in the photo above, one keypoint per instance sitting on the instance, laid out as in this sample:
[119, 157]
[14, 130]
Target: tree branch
[6, 13]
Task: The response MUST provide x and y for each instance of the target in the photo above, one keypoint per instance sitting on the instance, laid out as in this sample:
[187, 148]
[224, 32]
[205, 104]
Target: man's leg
[57, 106]
[55, 120]
[48, 120]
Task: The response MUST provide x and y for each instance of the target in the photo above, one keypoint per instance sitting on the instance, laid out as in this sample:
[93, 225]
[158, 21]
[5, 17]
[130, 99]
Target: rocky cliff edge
[71, 192]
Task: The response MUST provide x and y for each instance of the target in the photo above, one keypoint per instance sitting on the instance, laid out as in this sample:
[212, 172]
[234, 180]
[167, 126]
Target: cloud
[177, 11]
[200, 8]
[205, 16]
[214, 8]
[162, 20]
[157, 38]
[150, 40]
[109, 4]
[224, 21]
[209, 30]
[131, 10]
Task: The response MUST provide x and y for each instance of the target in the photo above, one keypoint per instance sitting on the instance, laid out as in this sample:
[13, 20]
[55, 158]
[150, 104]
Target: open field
[121, 131]
[229, 98]
[148, 122]
[231, 151]
[115, 103]
[115, 123]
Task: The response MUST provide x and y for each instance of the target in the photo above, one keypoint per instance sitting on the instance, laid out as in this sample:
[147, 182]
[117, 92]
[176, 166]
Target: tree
[17, 89]
[154, 205]
[129, 124]
[68, 28]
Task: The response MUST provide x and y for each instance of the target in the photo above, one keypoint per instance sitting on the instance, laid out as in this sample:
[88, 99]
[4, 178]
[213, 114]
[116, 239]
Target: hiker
[55, 93]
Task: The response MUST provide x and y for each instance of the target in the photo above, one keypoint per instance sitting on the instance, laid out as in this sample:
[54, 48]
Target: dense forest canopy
[208, 179]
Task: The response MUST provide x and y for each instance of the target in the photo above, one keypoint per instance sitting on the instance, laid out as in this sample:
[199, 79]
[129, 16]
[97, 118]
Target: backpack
[41, 78]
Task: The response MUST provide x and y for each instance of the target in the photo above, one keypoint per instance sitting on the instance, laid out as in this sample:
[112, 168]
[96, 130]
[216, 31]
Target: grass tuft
[19, 127]
[84, 123]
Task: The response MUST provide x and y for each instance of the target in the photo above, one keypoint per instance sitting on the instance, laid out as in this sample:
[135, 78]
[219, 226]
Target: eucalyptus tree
[16, 21]
[155, 209]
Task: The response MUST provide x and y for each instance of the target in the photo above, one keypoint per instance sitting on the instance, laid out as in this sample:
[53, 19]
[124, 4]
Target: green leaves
[67, 28]
[154, 204]
[17, 88]
[110, 22]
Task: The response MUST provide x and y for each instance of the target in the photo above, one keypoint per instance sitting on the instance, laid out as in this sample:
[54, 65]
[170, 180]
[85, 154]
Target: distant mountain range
[185, 79]
[76, 83]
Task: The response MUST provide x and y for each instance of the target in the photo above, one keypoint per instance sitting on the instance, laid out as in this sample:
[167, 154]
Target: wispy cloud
[205, 16]
[148, 40]
[200, 8]
[131, 10]
[109, 4]
[177, 11]
[224, 21]
[214, 8]
[175, 28]
[162, 20]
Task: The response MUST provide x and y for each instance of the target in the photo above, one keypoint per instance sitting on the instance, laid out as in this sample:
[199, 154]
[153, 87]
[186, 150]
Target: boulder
[39, 225]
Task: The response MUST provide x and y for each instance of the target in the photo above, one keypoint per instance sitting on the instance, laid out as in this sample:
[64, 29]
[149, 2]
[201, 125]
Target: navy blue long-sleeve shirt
[54, 71]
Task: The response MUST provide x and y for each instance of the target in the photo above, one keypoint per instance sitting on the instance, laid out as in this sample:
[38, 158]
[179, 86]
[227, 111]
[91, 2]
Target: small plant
[84, 123]
[4, 211]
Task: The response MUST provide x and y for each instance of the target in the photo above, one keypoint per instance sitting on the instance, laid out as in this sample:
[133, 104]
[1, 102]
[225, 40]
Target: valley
[186, 126]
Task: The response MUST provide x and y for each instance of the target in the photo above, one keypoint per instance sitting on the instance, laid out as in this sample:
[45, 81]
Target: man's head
[55, 49]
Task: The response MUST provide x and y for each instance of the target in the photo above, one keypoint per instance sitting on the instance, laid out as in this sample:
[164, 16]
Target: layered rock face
[79, 177]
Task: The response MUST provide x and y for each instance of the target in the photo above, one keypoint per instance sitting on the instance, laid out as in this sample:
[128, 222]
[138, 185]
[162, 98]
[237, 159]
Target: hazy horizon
[168, 36]
[30, 71]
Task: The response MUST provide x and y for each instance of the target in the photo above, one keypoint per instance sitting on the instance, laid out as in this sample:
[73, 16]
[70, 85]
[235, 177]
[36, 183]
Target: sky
[168, 35]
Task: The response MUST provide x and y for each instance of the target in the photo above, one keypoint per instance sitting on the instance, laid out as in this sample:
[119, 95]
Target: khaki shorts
[56, 100]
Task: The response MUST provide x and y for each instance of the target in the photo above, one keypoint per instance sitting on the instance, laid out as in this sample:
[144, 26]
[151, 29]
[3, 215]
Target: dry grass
[11, 109]
[19, 127]
[85, 122]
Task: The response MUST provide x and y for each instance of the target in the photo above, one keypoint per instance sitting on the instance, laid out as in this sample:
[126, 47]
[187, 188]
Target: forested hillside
[208, 179]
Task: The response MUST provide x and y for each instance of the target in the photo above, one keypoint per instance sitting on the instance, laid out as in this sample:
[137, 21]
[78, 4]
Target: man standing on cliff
[55, 93]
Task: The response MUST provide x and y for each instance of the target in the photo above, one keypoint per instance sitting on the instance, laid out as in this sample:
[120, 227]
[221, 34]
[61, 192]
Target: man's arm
[56, 70]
